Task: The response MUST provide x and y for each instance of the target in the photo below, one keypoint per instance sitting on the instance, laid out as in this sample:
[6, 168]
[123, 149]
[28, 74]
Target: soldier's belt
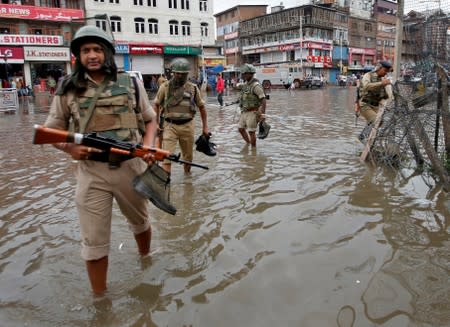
[178, 121]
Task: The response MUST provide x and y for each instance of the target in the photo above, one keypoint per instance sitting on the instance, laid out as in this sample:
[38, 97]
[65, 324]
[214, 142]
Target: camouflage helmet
[247, 68]
[180, 65]
[92, 33]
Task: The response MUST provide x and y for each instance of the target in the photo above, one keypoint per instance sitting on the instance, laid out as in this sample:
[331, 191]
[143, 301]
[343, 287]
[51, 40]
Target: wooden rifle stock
[47, 135]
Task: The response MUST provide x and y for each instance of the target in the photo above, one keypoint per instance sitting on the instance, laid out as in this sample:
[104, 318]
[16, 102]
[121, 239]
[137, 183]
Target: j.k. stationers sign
[46, 54]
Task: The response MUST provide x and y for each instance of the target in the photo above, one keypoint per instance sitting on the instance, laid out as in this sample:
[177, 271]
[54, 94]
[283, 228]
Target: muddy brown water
[295, 232]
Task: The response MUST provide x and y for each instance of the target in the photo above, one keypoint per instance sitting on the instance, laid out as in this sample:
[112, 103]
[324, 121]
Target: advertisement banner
[46, 54]
[30, 39]
[12, 55]
[40, 13]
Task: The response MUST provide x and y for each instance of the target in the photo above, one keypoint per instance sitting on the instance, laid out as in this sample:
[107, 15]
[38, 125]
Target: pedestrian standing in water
[96, 98]
[252, 102]
[220, 87]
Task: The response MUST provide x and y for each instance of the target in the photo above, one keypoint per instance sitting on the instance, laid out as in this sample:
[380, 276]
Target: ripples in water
[294, 233]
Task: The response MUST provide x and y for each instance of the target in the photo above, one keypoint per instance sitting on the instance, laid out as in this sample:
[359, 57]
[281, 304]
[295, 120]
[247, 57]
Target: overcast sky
[221, 5]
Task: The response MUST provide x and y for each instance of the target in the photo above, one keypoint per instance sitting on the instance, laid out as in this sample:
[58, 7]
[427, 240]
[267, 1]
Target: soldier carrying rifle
[96, 98]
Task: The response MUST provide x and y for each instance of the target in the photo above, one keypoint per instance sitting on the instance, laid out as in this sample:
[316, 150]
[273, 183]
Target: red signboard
[325, 60]
[317, 45]
[365, 51]
[40, 13]
[145, 49]
[13, 55]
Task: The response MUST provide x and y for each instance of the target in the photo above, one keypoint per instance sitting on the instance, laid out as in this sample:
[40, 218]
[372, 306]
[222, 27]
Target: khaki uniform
[97, 183]
[251, 97]
[371, 93]
[178, 108]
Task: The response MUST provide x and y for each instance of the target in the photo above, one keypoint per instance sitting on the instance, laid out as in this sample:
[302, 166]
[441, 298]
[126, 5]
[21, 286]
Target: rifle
[46, 135]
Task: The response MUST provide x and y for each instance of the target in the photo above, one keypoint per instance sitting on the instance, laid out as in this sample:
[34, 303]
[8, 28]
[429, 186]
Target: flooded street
[296, 232]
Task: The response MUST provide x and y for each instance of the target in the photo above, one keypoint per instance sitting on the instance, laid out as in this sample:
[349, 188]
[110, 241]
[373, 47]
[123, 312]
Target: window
[151, 3]
[173, 27]
[101, 23]
[173, 4]
[185, 28]
[153, 26]
[114, 1]
[184, 4]
[70, 4]
[51, 3]
[204, 29]
[139, 25]
[116, 24]
[99, 0]
[204, 7]
[368, 27]
[138, 2]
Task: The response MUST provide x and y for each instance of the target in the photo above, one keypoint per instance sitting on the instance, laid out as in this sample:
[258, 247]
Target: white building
[150, 33]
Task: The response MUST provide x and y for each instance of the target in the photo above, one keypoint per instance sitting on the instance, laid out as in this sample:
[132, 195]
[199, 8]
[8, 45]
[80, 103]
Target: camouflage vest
[180, 103]
[115, 114]
[373, 96]
[249, 100]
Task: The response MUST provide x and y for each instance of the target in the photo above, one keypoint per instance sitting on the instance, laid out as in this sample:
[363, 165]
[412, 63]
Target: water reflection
[293, 233]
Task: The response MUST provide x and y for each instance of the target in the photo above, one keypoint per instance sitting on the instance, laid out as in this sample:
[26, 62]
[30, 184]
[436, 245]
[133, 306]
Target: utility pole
[340, 44]
[398, 39]
[301, 45]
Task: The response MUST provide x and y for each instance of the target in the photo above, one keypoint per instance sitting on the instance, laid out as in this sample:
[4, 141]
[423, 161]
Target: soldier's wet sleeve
[259, 91]
[59, 114]
[199, 102]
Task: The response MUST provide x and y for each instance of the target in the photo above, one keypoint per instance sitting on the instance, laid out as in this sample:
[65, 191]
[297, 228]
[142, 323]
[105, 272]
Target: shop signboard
[144, 49]
[122, 48]
[12, 55]
[46, 54]
[30, 39]
[40, 13]
[182, 50]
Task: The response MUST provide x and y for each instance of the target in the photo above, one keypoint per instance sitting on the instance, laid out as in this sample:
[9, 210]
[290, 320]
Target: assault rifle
[46, 135]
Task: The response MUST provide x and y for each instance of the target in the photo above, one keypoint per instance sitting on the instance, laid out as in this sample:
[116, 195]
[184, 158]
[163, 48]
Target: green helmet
[93, 33]
[180, 65]
[247, 68]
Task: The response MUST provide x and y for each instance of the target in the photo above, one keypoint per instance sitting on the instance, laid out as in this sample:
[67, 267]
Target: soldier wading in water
[96, 98]
[252, 101]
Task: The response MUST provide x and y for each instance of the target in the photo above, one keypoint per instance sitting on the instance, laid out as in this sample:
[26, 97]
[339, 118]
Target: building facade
[150, 33]
[301, 35]
[34, 40]
[227, 31]
[385, 14]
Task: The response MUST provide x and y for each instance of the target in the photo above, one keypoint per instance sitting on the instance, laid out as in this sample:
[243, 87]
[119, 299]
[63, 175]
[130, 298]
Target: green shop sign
[182, 50]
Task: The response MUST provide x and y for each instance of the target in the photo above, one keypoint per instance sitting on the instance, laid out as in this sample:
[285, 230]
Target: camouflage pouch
[154, 184]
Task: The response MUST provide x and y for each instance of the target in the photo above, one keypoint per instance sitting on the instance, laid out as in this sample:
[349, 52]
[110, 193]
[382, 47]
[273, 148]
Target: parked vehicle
[277, 75]
[312, 81]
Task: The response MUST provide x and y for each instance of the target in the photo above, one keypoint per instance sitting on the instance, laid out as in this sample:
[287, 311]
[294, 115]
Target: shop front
[46, 65]
[190, 53]
[11, 65]
[147, 59]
